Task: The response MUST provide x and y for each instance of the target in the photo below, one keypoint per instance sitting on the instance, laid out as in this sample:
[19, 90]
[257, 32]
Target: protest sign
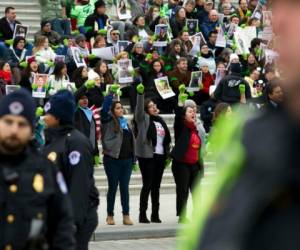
[163, 87]
[39, 85]
[192, 25]
[107, 53]
[221, 40]
[20, 30]
[124, 71]
[123, 10]
[78, 59]
[161, 33]
[195, 82]
[198, 41]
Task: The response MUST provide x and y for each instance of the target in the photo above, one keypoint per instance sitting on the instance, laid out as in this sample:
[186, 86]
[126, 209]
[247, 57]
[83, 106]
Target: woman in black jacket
[85, 122]
[157, 71]
[80, 76]
[152, 149]
[187, 163]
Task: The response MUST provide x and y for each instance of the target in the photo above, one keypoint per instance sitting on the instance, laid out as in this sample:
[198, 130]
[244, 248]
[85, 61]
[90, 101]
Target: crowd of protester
[88, 24]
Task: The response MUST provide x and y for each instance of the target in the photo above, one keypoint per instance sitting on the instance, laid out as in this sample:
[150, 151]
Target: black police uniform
[72, 152]
[35, 210]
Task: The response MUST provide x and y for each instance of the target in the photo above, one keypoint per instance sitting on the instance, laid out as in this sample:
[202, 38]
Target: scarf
[152, 135]
[123, 123]
[208, 55]
[190, 125]
[88, 113]
[6, 76]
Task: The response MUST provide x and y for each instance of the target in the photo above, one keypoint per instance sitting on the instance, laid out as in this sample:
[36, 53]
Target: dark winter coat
[74, 157]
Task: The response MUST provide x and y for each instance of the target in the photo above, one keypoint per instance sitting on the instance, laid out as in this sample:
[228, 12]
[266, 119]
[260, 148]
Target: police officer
[35, 210]
[72, 152]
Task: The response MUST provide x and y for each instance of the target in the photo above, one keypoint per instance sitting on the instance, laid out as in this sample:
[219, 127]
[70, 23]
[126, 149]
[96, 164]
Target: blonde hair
[122, 54]
[39, 43]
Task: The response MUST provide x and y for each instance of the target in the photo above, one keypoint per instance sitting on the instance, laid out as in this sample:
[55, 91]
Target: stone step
[167, 186]
[210, 166]
[28, 13]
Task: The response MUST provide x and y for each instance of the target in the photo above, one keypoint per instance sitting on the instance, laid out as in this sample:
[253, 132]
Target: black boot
[143, 217]
[155, 217]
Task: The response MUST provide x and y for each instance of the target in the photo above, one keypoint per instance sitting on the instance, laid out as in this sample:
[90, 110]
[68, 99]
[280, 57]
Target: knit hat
[203, 63]
[80, 38]
[233, 56]
[190, 103]
[44, 23]
[99, 3]
[92, 75]
[235, 68]
[62, 106]
[31, 59]
[17, 40]
[19, 103]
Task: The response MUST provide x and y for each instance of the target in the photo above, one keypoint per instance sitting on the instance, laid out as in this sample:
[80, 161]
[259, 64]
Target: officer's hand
[89, 84]
[140, 89]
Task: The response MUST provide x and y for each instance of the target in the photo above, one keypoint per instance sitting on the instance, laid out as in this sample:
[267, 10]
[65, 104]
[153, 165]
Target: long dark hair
[77, 77]
[115, 119]
[221, 108]
[57, 70]
[107, 76]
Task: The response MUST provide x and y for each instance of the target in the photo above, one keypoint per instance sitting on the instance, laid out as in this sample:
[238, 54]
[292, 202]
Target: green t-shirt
[80, 12]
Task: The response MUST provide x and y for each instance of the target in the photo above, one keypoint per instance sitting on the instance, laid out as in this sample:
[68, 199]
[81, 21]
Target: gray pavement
[144, 244]
[167, 228]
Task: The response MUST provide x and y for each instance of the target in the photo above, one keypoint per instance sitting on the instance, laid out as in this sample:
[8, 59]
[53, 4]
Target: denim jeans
[118, 172]
[61, 26]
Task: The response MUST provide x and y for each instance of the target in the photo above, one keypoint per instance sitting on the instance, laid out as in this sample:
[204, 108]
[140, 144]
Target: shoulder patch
[61, 183]
[74, 157]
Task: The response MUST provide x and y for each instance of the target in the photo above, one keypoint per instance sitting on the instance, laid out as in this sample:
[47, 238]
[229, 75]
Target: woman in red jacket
[187, 165]
[207, 80]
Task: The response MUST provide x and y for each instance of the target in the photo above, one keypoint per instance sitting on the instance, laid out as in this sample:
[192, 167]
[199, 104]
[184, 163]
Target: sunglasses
[115, 34]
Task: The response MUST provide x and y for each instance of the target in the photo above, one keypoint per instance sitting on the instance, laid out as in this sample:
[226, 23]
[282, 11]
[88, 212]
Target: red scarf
[6, 76]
